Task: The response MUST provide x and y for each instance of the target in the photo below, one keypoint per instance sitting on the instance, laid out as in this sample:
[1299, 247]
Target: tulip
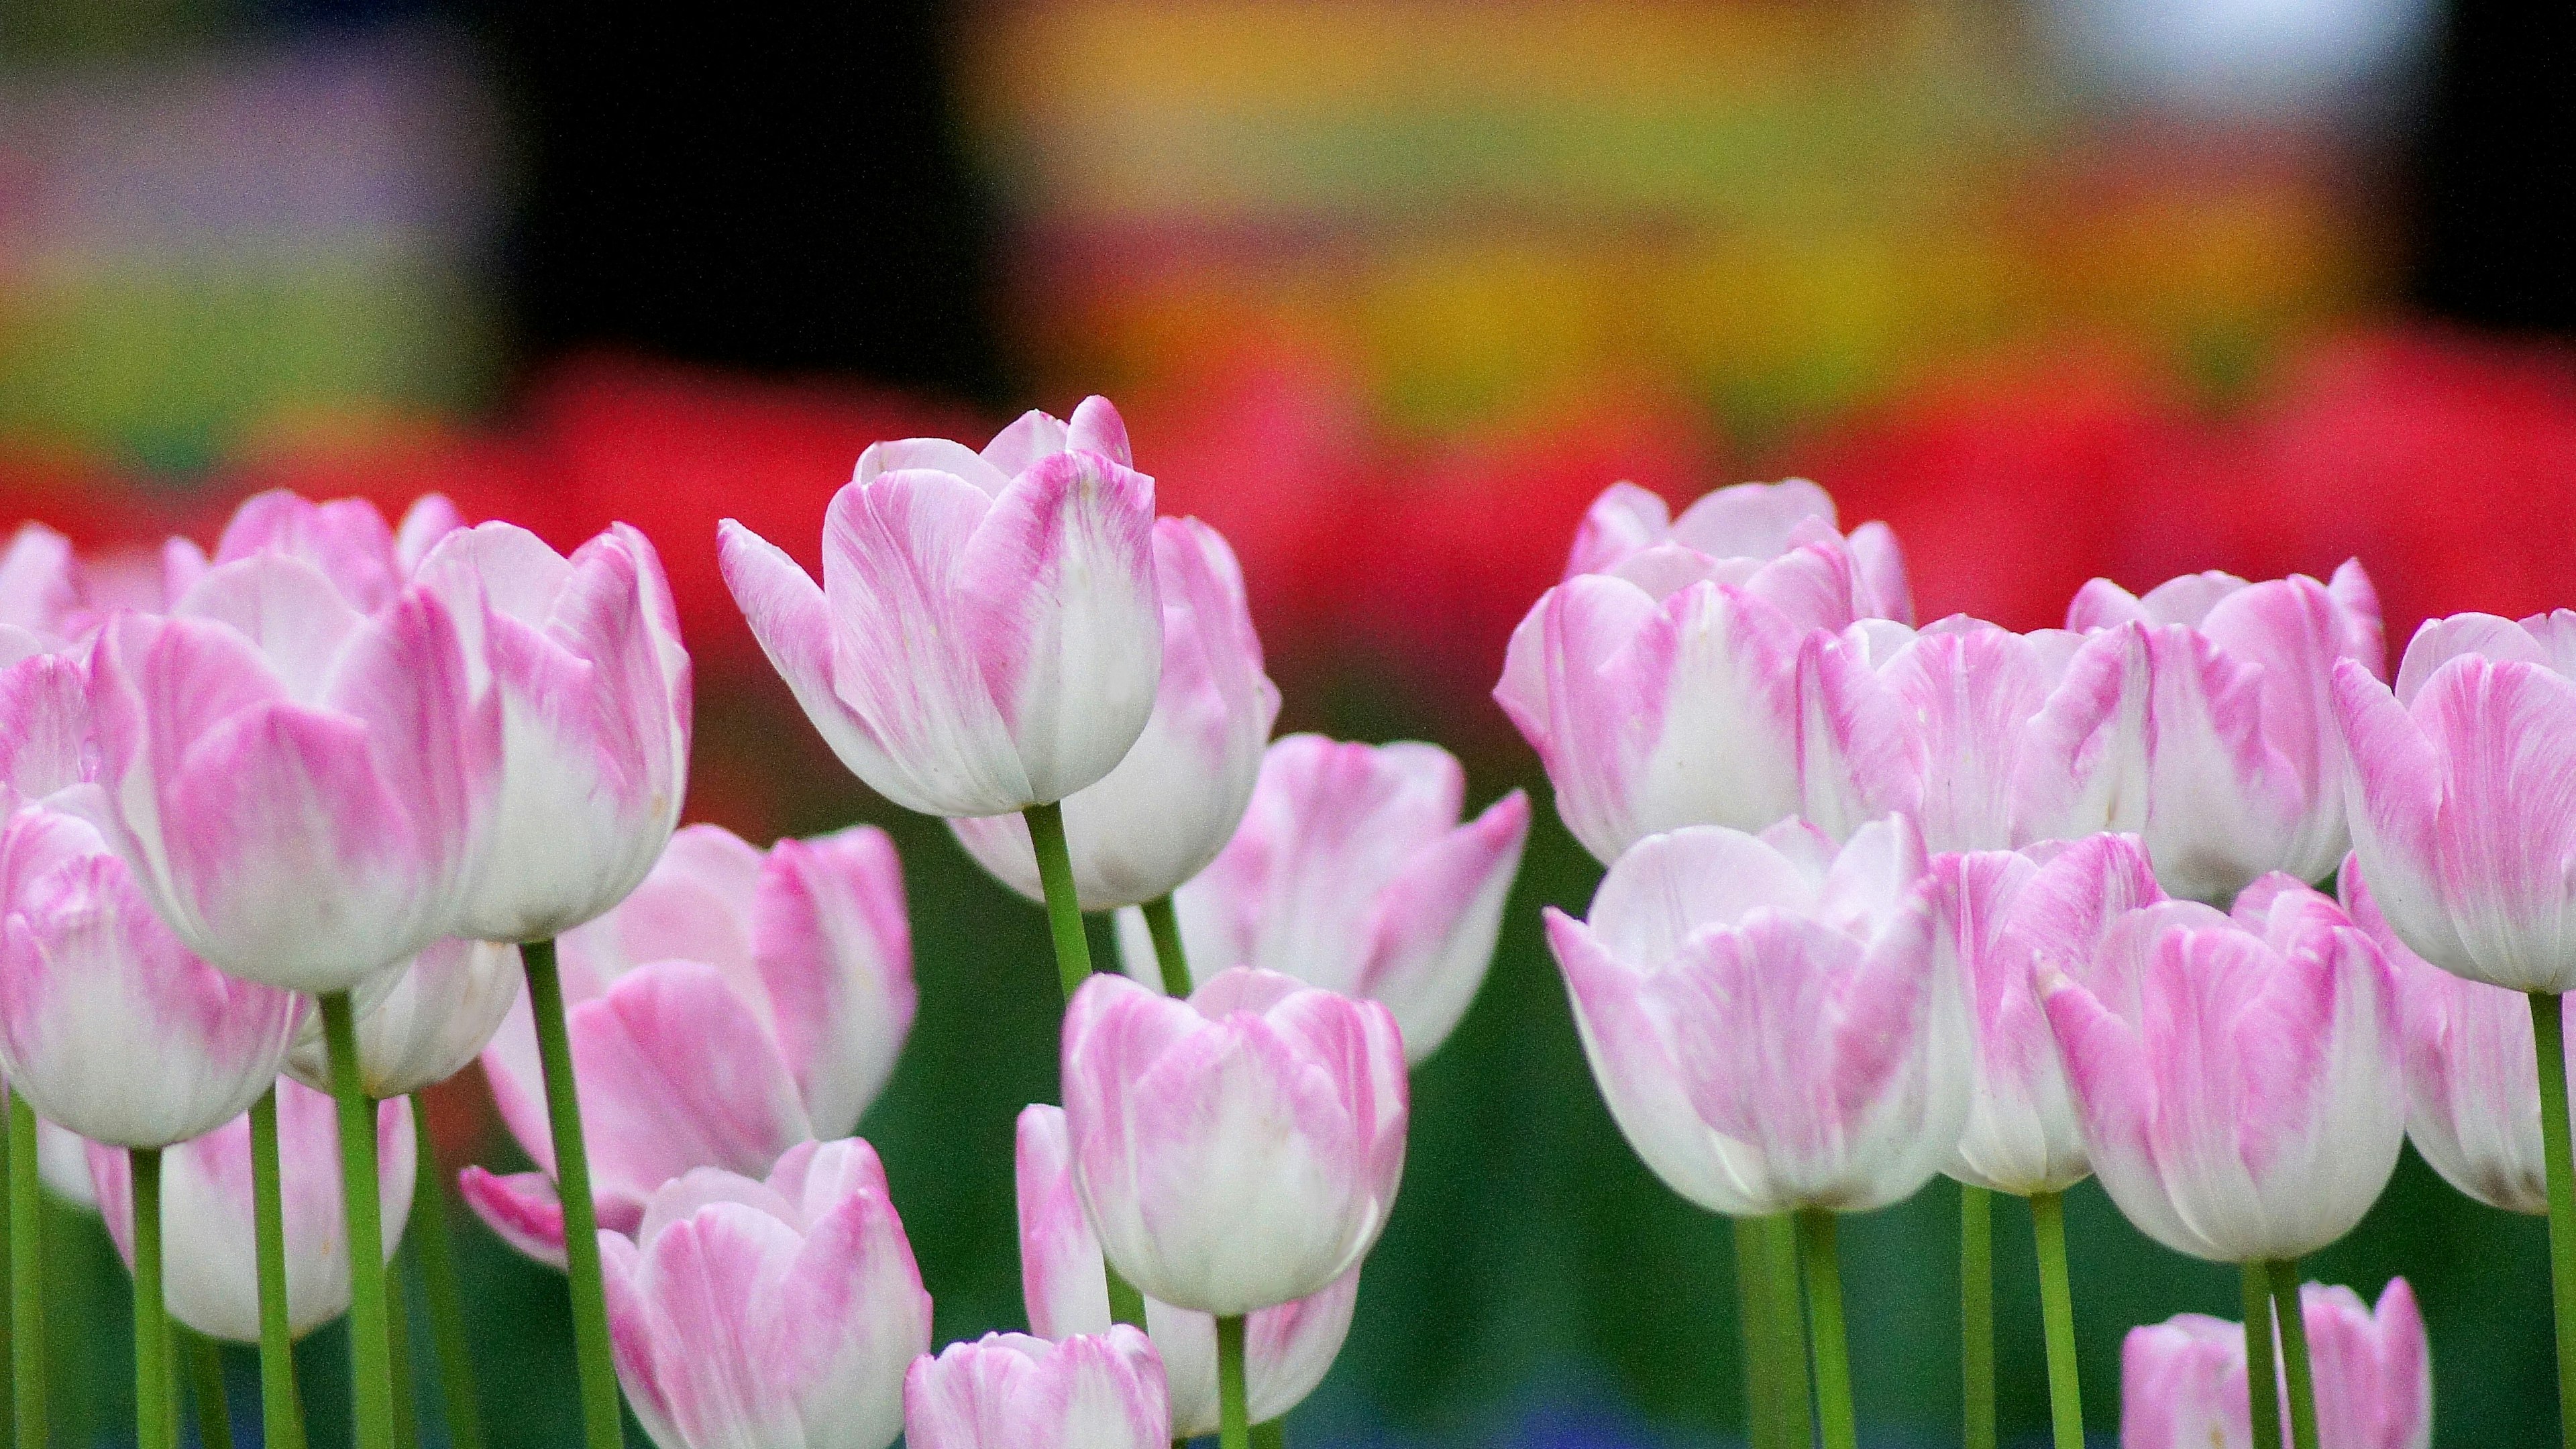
[988, 635]
[594, 689]
[2206, 709]
[1287, 1349]
[1238, 1149]
[2183, 1382]
[1671, 693]
[41, 604]
[346, 540]
[1173, 802]
[751, 1314]
[1352, 872]
[1979, 701]
[431, 1017]
[213, 1282]
[1011, 1391]
[1741, 528]
[734, 1005]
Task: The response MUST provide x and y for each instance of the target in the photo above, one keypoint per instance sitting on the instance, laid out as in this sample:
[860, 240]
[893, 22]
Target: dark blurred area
[1388, 289]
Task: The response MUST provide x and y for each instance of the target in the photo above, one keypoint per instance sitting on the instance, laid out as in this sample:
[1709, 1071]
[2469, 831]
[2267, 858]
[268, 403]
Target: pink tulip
[427, 1023]
[2472, 1073]
[594, 690]
[2459, 797]
[988, 635]
[210, 1270]
[62, 1165]
[298, 780]
[51, 599]
[1287, 1349]
[2182, 1382]
[108, 1025]
[346, 540]
[2238, 1077]
[2206, 712]
[769, 1315]
[735, 1005]
[1740, 528]
[1978, 698]
[1239, 1149]
[1351, 871]
[1850, 1088]
[2002, 915]
[1173, 802]
[1678, 690]
[1011, 1391]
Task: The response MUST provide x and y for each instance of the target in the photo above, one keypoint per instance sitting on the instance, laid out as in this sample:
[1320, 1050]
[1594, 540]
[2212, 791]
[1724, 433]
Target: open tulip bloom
[2184, 1382]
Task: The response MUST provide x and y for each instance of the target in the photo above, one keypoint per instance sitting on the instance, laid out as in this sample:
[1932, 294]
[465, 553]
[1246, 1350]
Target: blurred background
[1388, 289]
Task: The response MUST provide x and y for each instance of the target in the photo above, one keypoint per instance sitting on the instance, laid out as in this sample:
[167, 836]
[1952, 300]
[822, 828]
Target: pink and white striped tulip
[1174, 801]
[773, 1314]
[51, 599]
[594, 688]
[1287, 1349]
[1739, 528]
[109, 1026]
[298, 774]
[2182, 1382]
[2238, 1076]
[1853, 1093]
[2203, 715]
[988, 634]
[1979, 700]
[1352, 872]
[737, 1004]
[426, 1024]
[210, 1271]
[2001, 915]
[1012, 1391]
[2461, 777]
[1241, 1148]
[2472, 1073]
[1679, 690]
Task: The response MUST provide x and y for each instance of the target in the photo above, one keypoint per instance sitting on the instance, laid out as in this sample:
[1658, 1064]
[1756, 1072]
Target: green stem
[2548, 1039]
[2057, 1316]
[1165, 924]
[371, 1379]
[1762, 1417]
[398, 1351]
[206, 1386]
[1270, 1434]
[1233, 1407]
[1063, 906]
[26, 1277]
[436, 1252]
[2293, 1319]
[151, 1322]
[1825, 1328]
[281, 1412]
[1782, 1317]
[8, 1381]
[1977, 1313]
[2262, 1380]
[602, 1428]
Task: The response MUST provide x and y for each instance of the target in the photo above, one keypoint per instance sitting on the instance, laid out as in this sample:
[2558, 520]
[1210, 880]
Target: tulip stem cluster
[1825, 1329]
[2057, 1315]
[1234, 1428]
[371, 1368]
[437, 1258]
[1977, 1314]
[281, 1410]
[2260, 1374]
[1775, 1354]
[1165, 926]
[152, 1422]
[2548, 1036]
[602, 1428]
[26, 1278]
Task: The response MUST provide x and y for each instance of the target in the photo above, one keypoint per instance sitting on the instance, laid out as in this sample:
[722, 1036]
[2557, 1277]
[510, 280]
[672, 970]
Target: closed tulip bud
[1979, 699]
[1352, 872]
[988, 635]
[1852, 1094]
[1011, 1391]
[1239, 1149]
[594, 684]
[2003, 915]
[1174, 801]
[1287, 1349]
[2206, 713]
[2238, 1077]
[1740, 528]
[736, 1004]
[209, 1264]
[777, 1314]
[427, 1021]
[2182, 1382]
[2458, 778]
[41, 603]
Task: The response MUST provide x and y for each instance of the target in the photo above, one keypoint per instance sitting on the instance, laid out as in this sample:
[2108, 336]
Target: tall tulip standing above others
[1978, 698]
[1351, 871]
[1011, 1391]
[2207, 709]
[1174, 801]
[1665, 686]
[2184, 1385]
[1739, 528]
[769, 1315]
